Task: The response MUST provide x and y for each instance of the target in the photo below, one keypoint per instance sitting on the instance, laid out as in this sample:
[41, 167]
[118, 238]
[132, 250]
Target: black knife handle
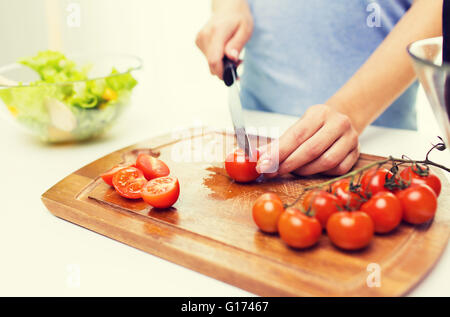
[229, 71]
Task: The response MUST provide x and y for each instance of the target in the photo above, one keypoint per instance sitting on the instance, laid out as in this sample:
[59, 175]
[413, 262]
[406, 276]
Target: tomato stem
[355, 172]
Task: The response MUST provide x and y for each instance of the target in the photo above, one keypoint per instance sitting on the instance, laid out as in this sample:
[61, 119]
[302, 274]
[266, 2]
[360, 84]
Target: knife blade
[230, 79]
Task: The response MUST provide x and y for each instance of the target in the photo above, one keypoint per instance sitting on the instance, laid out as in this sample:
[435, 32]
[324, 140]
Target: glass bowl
[434, 76]
[51, 110]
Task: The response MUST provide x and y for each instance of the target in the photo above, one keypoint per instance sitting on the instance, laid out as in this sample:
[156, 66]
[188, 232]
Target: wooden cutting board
[210, 229]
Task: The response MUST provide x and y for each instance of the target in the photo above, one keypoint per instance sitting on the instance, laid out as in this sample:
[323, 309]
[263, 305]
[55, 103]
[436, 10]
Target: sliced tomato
[161, 192]
[151, 166]
[128, 182]
[108, 176]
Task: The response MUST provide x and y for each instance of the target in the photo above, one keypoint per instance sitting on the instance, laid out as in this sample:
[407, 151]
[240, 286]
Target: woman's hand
[226, 33]
[322, 141]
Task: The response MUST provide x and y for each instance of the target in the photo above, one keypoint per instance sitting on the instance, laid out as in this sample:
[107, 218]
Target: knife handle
[229, 71]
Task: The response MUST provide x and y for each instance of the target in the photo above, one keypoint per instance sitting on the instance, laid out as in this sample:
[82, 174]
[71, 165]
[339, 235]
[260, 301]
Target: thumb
[235, 45]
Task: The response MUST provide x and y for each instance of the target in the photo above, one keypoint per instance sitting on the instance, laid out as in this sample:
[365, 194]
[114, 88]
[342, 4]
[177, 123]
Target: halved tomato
[108, 176]
[128, 182]
[161, 192]
[151, 166]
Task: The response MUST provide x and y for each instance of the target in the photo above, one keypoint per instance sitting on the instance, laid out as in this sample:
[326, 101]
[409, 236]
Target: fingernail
[263, 166]
[234, 53]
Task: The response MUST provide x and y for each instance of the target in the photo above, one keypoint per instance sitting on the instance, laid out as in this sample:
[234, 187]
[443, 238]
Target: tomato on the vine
[161, 192]
[373, 181]
[348, 197]
[269, 196]
[240, 167]
[322, 204]
[151, 166]
[385, 210]
[128, 182]
[419, 203]
[350, 230]
[298, 230]
[267, 211]
[415, 176]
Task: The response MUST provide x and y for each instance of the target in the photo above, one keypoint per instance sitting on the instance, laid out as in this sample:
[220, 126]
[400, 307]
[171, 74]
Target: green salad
[64, 104]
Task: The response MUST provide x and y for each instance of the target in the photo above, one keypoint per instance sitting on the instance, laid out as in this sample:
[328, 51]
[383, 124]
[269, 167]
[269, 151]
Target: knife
[234, 102]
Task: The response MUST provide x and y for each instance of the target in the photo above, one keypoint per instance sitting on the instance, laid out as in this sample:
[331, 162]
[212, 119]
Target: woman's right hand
[226, 33]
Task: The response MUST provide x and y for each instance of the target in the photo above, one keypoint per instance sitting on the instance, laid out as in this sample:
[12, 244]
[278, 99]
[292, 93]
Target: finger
[216, 48]
[312, 148]
[346, 165]
[298, 133]
[268, 159]
[235, 45]
[332, 157]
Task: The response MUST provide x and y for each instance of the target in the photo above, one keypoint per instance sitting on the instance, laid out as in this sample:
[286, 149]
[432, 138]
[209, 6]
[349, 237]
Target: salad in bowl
[63, 99]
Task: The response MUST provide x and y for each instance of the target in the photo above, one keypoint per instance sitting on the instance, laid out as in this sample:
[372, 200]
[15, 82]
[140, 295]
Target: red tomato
[410, 175]
[128, 182]
[269, 196]
[419, 203]
[151, 166]
[266, 212]
[373, 181]
[240, 168]
[108, 176]
[161, 192]
[385, 210]
[322, 204]
[298, 230]
[350, 230]
[348, 199]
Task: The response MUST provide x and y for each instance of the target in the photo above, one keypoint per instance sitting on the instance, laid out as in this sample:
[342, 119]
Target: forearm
[388, 71]
[218, 5]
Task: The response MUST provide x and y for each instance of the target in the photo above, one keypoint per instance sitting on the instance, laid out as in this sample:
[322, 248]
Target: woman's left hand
[322, 141]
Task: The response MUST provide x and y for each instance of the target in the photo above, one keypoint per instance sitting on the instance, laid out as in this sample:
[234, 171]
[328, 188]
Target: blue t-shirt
[301, 52]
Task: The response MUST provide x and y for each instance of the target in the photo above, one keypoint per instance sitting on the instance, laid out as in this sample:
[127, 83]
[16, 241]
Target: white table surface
[44, 255]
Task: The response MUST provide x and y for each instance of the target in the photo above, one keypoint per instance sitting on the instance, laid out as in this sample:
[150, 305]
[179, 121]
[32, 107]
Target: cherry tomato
[161, 192]
[108, 176]
[419, 203]
[298, 230]
[385, 210]
[151, 166]
[350, 230]
[240, 168]
[322, 204]
[348, 199]
[410, 174]
[269, 196]
[266, 212]
[128, 182]
[373, 181]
